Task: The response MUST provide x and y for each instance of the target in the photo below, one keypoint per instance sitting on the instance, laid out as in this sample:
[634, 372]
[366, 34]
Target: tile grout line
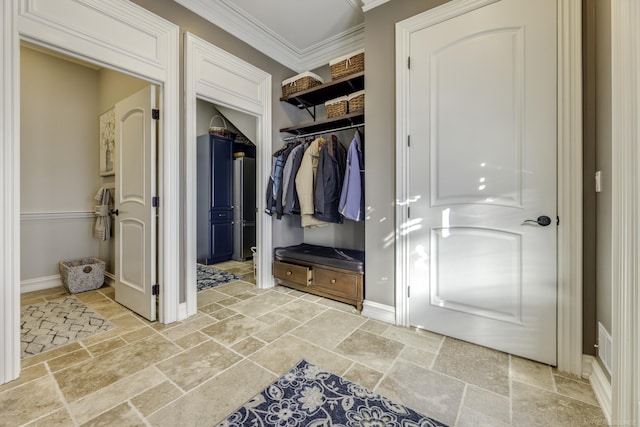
[511, 389]
[138, 413]
[461, 405]
[65, 404]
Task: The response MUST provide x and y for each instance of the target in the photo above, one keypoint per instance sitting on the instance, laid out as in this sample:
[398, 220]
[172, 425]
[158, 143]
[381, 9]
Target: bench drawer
[292, 272]
[339, 283]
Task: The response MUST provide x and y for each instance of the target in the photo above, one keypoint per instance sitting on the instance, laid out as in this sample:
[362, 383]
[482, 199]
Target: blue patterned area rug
[58, 322]
[210, 277]
[308, 396]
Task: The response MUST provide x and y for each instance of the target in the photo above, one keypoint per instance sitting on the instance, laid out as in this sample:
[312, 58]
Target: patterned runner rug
[308, 396]
[50, 324]
[210, 277]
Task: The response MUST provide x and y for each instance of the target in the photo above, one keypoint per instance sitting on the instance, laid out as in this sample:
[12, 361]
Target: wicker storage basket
[301, 82]
[83, 274]
[336, 107]
[220, 130]
[347, 64]
[356, 101]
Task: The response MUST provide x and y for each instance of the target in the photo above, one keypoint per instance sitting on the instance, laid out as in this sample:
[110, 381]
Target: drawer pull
[333, 281]
[289, 273]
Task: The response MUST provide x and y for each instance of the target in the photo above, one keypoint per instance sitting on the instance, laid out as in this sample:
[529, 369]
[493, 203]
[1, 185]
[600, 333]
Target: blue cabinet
[215, 199]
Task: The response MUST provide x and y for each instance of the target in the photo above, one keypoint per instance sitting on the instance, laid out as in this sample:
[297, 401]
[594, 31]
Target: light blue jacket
[352, 198]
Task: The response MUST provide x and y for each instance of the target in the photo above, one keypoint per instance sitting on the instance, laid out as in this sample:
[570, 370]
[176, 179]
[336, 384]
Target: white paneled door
[482, 178]
[135, 222]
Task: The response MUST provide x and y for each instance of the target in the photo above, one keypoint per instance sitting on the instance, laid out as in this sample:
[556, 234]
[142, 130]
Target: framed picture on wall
[107, 142]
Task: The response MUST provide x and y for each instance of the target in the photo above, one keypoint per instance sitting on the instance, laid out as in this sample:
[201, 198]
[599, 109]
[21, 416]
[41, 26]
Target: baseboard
[587, 366]
[382, 312]
[40, 283]
[109, 278]
[182, 311]
[601, 388]
[48, 282]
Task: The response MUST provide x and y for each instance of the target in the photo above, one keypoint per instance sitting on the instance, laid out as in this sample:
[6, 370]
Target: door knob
[115, 212]
[542, 220]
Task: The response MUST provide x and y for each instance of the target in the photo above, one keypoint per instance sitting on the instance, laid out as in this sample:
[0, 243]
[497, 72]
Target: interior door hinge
[409, 62]
[155, 289]
[558, 220]
[155, 114]
[408, 291]
[155, 201]
[409, 140]
[409, 212]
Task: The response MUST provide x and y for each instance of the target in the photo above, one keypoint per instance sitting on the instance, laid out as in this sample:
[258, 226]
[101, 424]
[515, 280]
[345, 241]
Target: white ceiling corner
[295, 36]
[370, 4]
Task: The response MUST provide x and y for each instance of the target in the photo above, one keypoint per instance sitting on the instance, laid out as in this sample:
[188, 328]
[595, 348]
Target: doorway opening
[67, 163]
[217, 77]
[226, 195]
[64, 29]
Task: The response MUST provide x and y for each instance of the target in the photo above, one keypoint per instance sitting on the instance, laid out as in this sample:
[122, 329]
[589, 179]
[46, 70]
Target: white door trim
[146, 46]
[216, 76]
[569, 168]
[625, 108]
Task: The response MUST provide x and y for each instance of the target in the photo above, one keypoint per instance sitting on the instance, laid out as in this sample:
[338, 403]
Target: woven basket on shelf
[299, 83]
[356, 101]
[336, 107]
[220, 130]
[348, 64]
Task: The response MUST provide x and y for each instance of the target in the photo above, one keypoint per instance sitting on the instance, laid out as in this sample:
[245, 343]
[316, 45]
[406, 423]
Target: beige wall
[58, 160]
[380, 144]
[589, 168]
[597, 157]
[603, 159]
[116, 86]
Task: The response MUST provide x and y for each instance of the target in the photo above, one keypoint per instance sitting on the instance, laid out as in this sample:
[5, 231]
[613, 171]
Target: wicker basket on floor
[301, 82]
[82, 274]
[347, 64]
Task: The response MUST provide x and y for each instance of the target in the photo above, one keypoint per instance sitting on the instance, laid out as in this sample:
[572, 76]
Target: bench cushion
[347, 259]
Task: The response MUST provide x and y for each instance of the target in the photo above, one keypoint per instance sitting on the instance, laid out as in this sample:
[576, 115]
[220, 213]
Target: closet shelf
[327, 124]
[333, 89]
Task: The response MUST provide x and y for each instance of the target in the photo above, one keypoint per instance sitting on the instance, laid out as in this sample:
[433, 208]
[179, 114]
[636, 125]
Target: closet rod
[291, 138]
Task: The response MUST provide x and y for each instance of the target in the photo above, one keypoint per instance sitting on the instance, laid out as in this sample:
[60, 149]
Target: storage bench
[333, 273]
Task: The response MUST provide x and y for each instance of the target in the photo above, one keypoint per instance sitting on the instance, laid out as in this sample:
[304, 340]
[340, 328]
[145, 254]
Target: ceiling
[300, 34]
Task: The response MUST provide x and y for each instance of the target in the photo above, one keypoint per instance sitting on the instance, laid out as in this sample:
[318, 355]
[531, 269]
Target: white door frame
[123, 36]
[569, 167]
[218, 77]
[625, 110]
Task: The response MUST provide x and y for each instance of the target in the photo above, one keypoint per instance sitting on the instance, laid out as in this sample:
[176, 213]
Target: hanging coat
[289, 194]
[329, 179]
[352, 197]
[305, 183]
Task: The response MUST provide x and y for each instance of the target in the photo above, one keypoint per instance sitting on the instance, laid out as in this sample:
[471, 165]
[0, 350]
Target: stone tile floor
[197, 371]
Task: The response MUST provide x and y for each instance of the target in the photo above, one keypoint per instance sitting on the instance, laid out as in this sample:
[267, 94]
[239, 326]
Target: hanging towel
[102, 229]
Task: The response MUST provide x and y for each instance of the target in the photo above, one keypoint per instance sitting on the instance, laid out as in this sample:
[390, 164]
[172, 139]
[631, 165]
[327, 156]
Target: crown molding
[370, 4]
[334, 47]
[226, 15]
